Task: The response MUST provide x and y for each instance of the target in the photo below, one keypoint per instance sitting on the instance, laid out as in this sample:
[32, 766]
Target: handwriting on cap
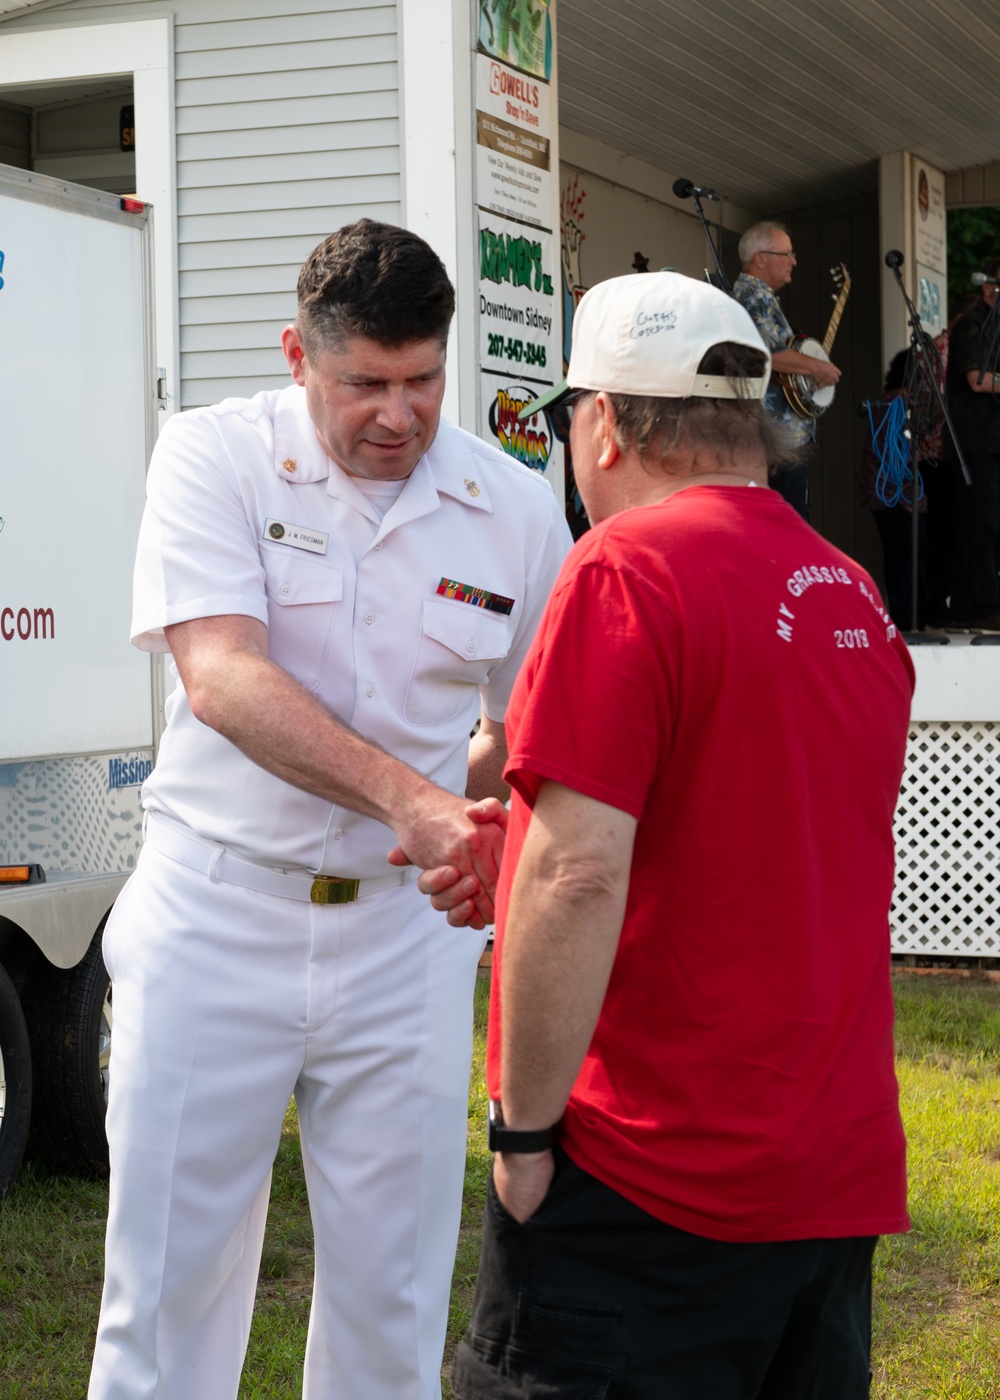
[652, 322]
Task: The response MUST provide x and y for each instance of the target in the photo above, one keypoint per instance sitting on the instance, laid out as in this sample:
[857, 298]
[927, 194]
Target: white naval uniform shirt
[361, 624]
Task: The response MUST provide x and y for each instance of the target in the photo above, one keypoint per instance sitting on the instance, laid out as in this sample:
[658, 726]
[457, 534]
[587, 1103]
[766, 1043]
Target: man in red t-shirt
[694, 1106]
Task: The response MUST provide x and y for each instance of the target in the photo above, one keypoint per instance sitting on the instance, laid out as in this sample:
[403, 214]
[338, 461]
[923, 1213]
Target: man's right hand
[822, 372]
[459, 845]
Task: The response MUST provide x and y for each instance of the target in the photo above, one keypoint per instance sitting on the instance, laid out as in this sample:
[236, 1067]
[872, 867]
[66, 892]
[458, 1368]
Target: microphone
[979, 279]
[894, 259]
[684, 189]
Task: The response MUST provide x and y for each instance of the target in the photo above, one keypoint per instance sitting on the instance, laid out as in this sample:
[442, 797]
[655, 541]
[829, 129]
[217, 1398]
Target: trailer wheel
[15, 1083]
[69, 1024]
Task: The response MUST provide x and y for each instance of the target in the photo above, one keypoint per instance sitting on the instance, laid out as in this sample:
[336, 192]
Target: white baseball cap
[647, 333]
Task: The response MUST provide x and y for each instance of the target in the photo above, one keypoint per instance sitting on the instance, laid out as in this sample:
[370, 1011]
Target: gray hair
[659, 428]
[756, 240]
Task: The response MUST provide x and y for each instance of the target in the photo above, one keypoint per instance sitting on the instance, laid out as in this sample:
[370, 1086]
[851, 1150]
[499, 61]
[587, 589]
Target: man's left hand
[522, 1181]
[453, 894]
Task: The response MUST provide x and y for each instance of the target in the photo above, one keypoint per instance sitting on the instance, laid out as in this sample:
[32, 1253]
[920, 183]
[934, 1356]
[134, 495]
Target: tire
[68, 1012]
[15, 1083]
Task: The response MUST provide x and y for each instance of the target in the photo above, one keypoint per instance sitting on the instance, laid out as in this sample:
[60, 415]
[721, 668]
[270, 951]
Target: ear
[291, 344]
[610, 451]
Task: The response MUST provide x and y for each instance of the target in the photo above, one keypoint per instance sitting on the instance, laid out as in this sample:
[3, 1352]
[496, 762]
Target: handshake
[458, 844]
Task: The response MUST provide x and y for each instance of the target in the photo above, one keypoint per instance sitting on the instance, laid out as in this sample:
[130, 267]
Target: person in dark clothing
[942, 482]
[974, 405]
[895, 521]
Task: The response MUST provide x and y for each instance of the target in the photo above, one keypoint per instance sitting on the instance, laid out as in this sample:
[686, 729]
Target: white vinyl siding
[287, 126]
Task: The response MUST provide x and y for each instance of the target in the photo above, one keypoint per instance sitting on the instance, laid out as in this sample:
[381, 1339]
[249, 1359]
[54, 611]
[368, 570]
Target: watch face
[494, 1122]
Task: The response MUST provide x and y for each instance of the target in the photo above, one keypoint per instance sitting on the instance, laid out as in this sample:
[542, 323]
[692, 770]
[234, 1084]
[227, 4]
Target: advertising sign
[520, 321]
[929, 219]
[517, 32]
[532, 442]
[518, 287]
[513, 147]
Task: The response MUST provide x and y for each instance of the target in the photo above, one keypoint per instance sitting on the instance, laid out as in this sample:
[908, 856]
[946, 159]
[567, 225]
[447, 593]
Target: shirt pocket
[458, 647]
[303, 597]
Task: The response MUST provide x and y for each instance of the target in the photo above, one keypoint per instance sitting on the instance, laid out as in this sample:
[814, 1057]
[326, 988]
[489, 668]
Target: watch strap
[500, 1138]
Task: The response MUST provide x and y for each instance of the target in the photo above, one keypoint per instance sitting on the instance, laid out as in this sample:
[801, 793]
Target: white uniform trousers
[226, 1001]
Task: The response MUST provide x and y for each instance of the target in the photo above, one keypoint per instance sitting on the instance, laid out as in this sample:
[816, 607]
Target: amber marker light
[21, 874]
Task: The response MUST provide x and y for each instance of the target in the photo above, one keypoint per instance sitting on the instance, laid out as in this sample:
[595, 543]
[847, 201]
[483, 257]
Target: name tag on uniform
[297, 536]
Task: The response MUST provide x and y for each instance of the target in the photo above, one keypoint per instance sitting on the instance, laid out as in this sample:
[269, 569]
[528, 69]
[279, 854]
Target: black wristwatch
[501, 1139]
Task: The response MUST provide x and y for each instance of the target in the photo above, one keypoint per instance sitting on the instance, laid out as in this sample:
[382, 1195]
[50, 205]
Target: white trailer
[79, 707]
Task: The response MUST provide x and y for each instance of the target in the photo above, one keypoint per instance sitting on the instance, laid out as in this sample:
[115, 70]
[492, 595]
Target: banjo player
[767, 259]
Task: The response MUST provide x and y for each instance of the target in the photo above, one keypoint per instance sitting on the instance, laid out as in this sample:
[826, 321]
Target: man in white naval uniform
[346, 585]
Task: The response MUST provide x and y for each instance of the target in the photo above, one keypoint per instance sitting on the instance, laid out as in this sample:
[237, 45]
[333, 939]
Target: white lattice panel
[947, 894]
[73, 814]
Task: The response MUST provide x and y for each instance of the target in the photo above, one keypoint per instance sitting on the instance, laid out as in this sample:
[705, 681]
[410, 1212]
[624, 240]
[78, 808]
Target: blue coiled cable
[891, 445]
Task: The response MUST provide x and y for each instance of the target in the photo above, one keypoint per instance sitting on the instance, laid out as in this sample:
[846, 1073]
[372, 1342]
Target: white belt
[219, 863]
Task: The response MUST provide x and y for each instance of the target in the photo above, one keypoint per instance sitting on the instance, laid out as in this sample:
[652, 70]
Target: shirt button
[470, 647]
[338, 833]
[380, 544]
[369, 618]
[370, 690]
[285, 589]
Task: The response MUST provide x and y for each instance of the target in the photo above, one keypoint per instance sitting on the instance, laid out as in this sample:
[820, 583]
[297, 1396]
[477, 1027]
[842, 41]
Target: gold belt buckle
[331, 889]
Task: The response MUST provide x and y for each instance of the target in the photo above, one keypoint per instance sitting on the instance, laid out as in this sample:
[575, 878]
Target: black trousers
[976, 590]
[895, 528]
[941, 481]
[594, 1299]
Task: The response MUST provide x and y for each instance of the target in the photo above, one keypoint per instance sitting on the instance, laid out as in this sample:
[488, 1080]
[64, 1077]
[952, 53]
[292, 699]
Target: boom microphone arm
[684, 189]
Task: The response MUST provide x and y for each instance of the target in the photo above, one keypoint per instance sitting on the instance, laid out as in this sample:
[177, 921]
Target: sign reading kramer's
[513, 129]
[518, 283]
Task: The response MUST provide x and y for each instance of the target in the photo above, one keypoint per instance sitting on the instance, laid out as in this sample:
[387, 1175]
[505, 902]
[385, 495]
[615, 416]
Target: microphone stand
[924, 354]
[719, 278]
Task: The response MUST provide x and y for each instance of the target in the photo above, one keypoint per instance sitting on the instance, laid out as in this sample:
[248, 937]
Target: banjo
[801, 392]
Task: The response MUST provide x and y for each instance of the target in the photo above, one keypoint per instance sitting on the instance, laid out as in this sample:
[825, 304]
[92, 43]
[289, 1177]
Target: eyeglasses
[561, 414]
[774, 253]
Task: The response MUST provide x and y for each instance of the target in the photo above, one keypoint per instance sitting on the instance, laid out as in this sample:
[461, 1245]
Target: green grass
[937, 1292]
[51, 1261]
[937, 1289]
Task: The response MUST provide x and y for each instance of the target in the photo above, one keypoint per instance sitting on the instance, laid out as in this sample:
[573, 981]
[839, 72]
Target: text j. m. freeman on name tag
[297, 536]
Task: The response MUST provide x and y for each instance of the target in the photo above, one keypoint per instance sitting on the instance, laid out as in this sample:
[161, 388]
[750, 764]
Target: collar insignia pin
[472, 487]
[289, 464]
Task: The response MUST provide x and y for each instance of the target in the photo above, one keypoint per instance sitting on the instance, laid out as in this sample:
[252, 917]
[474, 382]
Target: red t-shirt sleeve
[598, 692]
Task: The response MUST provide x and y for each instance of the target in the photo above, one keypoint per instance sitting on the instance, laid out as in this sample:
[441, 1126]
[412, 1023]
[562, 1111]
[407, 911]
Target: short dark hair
[895, 375]
[656, 427]
[992, 267]
[374, 280]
